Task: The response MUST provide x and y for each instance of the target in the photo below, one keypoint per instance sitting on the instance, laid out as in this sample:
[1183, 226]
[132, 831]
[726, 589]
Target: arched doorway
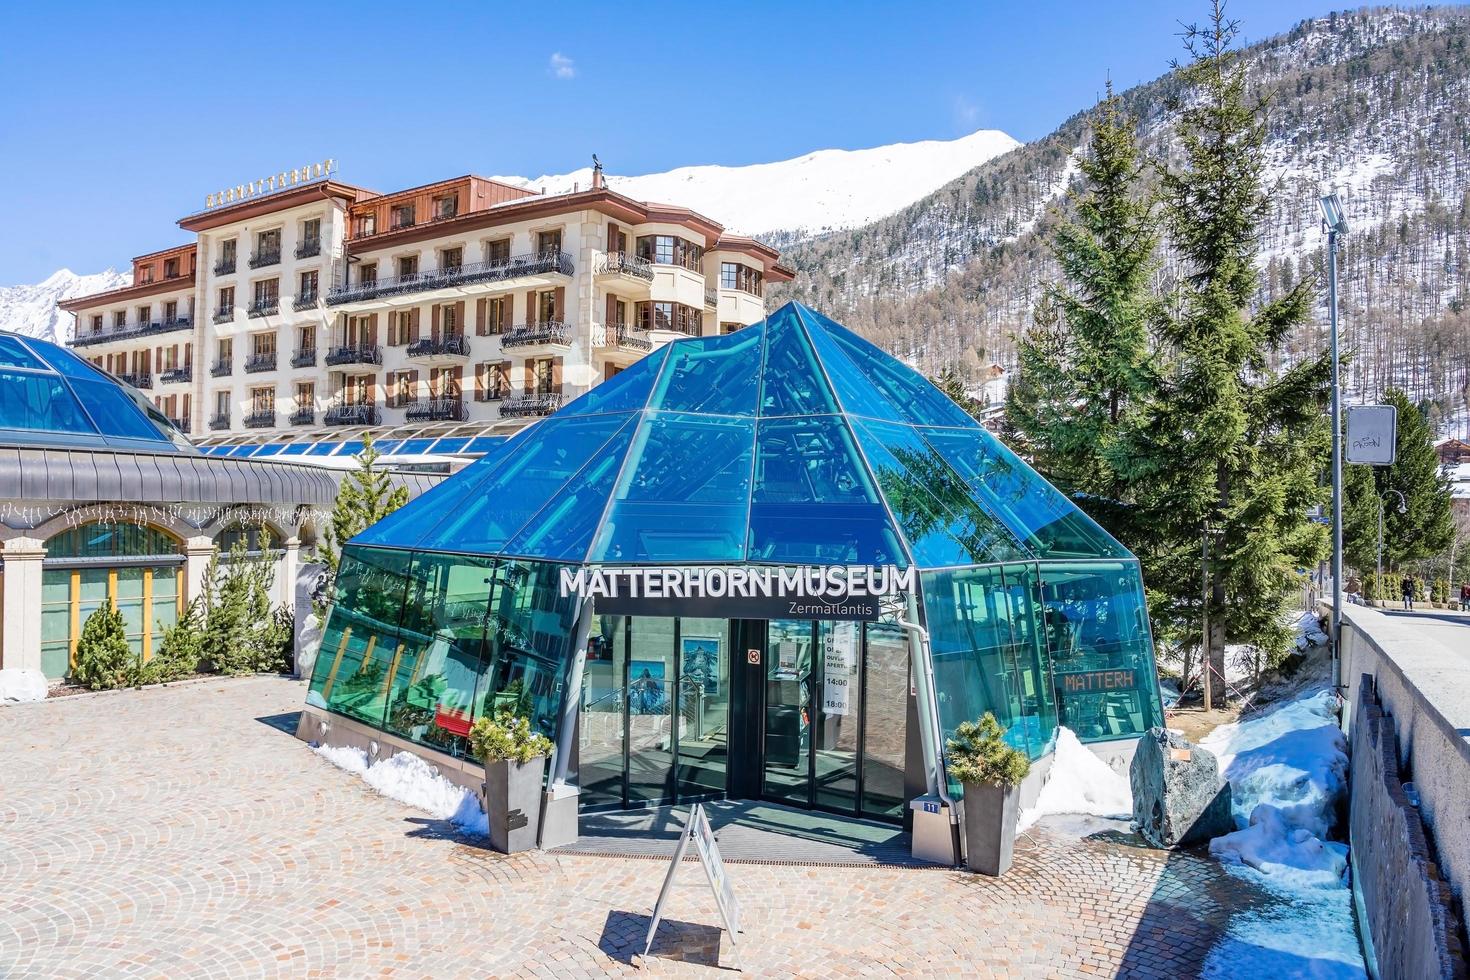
[137, 568]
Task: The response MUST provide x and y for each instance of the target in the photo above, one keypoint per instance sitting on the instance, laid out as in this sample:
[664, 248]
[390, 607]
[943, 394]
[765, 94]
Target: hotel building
[320, 310]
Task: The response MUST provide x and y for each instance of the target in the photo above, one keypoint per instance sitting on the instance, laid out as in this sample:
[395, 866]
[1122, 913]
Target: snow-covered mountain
[31, 310]
[819, 192]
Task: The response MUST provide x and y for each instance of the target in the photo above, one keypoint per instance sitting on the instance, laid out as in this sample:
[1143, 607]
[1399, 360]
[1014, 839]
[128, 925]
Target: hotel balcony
[437, 410]
[304, 358]
[218, 421]
[352, 415]
[136, 330]
[224, 267]
[222, 369]
[304, 303]
[137, 380]
[530, 405]
[268, 307]
[453, 282]
[181, 424]
[309, 248]
[303, 416]
[532, 337]
[369, 354]
[224, 314]
[256, 363]
[621, 338]
[260, 420]
[264, 258]
[711, 298]
[445, 350]
[625, 264]
[176, 375]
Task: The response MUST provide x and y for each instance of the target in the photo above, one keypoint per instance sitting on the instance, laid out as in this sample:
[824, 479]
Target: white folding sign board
[699, 831]
[1372, 434]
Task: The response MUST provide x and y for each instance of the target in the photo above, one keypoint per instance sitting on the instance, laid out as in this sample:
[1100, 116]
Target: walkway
[1448, 628]
[182, 832]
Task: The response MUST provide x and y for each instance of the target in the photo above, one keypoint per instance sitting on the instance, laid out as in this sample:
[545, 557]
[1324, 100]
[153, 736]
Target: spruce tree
[1228, 446]
[104, 659]
[366, 496]
[1085, 364]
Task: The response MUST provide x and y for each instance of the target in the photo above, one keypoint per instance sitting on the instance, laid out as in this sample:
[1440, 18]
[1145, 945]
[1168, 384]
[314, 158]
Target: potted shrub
[515, 763]
[990, 770]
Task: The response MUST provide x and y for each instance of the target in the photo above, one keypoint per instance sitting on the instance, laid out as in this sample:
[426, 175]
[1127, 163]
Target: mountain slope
[1373, 103]
[819, 192]
[31, 310]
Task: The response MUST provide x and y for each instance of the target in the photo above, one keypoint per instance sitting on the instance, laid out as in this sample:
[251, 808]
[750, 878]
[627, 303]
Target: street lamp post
[1336, 224]
[1403, 509]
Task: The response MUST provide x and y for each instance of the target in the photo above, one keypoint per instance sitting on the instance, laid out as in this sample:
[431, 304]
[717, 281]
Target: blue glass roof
[50, 396]
[791, 441]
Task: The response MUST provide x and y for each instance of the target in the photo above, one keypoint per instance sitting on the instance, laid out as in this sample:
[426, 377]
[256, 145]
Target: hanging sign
[1372, 434]
[839, 669]
[699, 831]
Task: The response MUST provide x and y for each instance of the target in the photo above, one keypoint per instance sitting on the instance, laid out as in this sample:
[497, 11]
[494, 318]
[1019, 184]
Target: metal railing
[218, 421]
[222, 369]
[256, 363]
[265, 257]
[224, 267]
[625, 264]
[457, 346]
[175, 375]
[352, 415]
[308, 248]
[224, 315]
[624, 336]
[303, 416]
[304, 358]
[437, 410]
[267, 307]
[711, 297]
[460, 275]
[491, 395]
[260, 420]
[524, 406]
[549, 332]
[137, 330]
[137, 380]
[368, 354]
[304, 302]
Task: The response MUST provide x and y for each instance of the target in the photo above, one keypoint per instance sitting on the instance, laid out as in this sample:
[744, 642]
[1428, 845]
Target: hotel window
[449, 325]
[670, 316]
[450, 259]
[543, 375]
[617, 239]
[730, 327]
[619, 314]
[367, 273]
[306, 395]
[737, 275]
[97, 323]
[670, 250]
[408, 265]
[226, 349]
[492, 380]
[444, 382]
[268, 243]
[495, 316]
[145, 274]
[222, 404]
[357, 389]
[305, 339]
[145, 315]
[400, 327]
[307, 292]
[227, 299]
[262, 401]
[119, 319]
[263, 344]
[170, 268]
[311, 230]
[548, 241]
[446, 206]
[267, 292]
[227, 253]
[171, 311]
[365, 224]
[546, 306]
[403, 216]
[402, 387]
[497, 251]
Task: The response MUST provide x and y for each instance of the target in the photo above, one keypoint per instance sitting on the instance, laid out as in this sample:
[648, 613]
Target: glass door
[839, 711]
[602, 726]
[885, 719]
[652, 671]
[702, 743]
[786, 749]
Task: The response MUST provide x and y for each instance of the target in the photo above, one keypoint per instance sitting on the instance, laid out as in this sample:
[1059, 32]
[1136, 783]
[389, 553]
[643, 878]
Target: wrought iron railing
[175, 375]
[308, 248]
[181, 424]
[429, 347]
[303, 416]
[352, 415]
[224, 314]
[304, 358]
[219, 421]
[625, 264]
[137, 330]
[437, 410]
[265, 307]
[711, 297]
[224, 267]
[137, 380]
[222, 368]
[461, 275]
[548, 332]
[265, 257]
[304, 302]
[525, 406]
[362, 354]
[261, 420]
[256, 363]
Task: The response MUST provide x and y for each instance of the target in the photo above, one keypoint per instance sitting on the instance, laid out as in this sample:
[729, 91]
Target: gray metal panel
[83, 476]
[150, 481]
[60, 477]
[33, 474]
[109, 476]
[9, 473]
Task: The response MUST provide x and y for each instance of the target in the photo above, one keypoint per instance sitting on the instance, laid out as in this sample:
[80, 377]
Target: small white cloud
[966, 114]
[561, 66]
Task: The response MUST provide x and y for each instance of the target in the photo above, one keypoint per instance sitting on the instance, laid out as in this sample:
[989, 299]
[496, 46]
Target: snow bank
[408, 779]
[1293, 856]
[1308, 934]
[1079, 783]
[1309, 631]
[22, 684]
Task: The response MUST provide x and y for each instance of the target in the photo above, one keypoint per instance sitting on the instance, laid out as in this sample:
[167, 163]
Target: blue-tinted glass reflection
[715, 375]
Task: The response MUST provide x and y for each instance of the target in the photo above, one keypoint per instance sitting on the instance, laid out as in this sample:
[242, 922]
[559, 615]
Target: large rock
[1178, 796]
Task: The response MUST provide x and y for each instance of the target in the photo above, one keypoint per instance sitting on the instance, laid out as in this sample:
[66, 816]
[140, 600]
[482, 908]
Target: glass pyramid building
[791, 442]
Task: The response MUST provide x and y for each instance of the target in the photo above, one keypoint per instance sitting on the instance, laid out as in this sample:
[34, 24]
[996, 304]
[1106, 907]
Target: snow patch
[408, 779]
[22, 684]
[1305, 934]
[1079, 783]
[1293, 856]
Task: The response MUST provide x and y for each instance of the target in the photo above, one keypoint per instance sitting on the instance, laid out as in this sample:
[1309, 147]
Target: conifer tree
[104, 659]
[1228, 446]
[367, 495]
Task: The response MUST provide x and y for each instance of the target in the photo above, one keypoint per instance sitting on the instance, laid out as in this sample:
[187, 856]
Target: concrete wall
[1425, 689]
[1410, 912]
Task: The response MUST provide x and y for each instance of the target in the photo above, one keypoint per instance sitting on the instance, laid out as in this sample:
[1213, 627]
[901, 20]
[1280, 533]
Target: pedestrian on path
[1465, 597]
[1407, 588]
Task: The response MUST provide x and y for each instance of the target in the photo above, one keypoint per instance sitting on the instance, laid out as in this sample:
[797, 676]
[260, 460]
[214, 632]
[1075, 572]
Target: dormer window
[446, 206]
[171, 268]
[403, 216]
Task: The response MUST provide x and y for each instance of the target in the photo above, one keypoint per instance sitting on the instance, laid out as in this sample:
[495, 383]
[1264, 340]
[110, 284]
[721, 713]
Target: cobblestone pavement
[182, 832]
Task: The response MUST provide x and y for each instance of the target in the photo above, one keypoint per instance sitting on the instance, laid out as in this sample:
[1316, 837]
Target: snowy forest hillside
[1374, 103]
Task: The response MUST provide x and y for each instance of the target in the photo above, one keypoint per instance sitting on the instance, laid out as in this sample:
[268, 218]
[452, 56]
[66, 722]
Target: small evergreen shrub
[507, 737]
[1440, 591]
[104, 659]
[978, 754]
[181, 650]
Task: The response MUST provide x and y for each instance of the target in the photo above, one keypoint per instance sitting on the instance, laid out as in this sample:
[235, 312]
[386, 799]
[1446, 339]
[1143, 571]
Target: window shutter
[502, 375]
[610, 318]
[528, 376]
[556, 375]
[188, 355]
[531, 314]
[559, 304]
[456, 381]
[372, 330]
[482, 306]
[459, 318]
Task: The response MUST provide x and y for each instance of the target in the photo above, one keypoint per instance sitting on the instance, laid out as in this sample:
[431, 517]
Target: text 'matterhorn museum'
[794, 567]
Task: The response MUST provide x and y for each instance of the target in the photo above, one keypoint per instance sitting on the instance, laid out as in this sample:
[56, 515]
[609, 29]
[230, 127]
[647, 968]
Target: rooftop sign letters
[738, 592]
[271, 184]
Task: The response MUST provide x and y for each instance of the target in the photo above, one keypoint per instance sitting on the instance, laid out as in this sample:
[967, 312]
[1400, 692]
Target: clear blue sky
[117, 118]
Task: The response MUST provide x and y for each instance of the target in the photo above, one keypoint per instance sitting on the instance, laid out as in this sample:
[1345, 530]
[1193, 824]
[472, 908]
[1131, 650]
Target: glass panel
[684, 493]
[526, 641]
[933, 507]
[650, 711]
[130, 604]
[1033, 509]
[788, 658]
[165, 609]
[626, 391]
[407, 525]
[854, 391]
[70, 364]
[55, 622]
[717, 375]
[885, 718]
[704, 707]
[813, 501]
[15, 354]
[39, 401]
[793, 383]
[839, 709]
[105, 539]
[115, 412]
[361, 637]
[1102, 652]
[600, 728]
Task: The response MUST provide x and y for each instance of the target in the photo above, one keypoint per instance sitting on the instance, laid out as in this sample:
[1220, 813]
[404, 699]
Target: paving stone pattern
[180, 832]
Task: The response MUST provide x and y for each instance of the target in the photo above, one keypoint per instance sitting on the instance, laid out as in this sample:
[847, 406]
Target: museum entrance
[809, 713]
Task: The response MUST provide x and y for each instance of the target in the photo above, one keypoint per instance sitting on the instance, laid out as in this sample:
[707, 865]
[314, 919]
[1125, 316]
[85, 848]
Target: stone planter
[513, 803]
[990, 827]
